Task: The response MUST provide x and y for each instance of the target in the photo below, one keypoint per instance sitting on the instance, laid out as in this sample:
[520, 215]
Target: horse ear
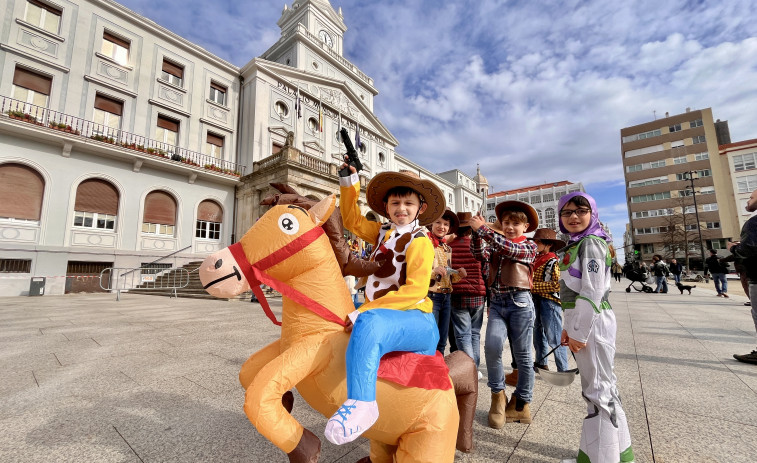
[321, 211]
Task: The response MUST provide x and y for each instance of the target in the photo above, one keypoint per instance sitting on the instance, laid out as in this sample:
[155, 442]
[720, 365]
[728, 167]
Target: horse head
[285, 242]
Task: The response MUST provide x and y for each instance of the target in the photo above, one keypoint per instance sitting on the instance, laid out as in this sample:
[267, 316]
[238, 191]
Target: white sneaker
[480, 375]
[351, 420]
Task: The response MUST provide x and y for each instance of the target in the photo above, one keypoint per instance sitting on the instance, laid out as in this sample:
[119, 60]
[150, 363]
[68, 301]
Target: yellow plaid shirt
[547, 289]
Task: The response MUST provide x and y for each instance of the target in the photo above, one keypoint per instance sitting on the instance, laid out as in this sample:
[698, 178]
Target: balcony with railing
[137, 145]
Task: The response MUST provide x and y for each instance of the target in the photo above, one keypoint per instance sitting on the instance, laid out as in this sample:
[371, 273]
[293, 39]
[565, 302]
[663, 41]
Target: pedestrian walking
[660, 271]
[676, 269]
[718, 269]
[745, 250]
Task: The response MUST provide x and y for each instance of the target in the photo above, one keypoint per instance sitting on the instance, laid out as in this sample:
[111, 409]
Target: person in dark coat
[745, 251]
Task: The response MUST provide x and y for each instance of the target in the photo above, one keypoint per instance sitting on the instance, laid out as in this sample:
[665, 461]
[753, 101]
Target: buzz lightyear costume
[588, 317]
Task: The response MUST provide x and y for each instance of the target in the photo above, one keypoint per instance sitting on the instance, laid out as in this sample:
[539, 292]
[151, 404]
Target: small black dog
[685, 287]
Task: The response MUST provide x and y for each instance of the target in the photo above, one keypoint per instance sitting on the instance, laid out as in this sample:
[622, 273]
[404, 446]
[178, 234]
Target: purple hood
[594, 227]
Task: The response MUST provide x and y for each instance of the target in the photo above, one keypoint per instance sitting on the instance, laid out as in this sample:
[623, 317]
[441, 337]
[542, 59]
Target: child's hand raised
[477, 221]
[345, 164]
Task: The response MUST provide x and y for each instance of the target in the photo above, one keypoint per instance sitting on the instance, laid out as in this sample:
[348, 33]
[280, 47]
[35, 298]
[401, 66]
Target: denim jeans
[442, 313]
[677, 277]
[511, 315]
[662, 284]
[721, 284]
[466, 324]
[548, 331]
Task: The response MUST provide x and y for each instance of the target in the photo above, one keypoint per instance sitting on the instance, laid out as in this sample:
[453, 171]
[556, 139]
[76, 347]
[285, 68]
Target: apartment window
[652, 213]
[642, 136]
[697, 139]
[159, 217]
[675, 128]
[690, 227]
[490, 206]
[647, 248]
[689, 210]
[710, 207]
[640, 151]
[15, 266]
[717, 244]
[744, 162]
[650, 230]
[706, 190]
[43, 16]
[647, 182]
[713, 225]
[115, 48]
[645, 166]
[172, 73]
[549, 215]
[107, 114]
[30, 87]
[696, 123]
[676, 144]
[701, 156]
[549, 197]
[650, 197]
[535, 199]
[214, 145]
[209, 219]
[167, 130]
[96, 205]
[679, 160]
[218, 93]
[21, 192]
[704, 173]
[746, 184]
[686, 192]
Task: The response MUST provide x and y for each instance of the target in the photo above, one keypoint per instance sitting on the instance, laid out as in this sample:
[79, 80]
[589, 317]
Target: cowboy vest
[511, 273]
[390, 249]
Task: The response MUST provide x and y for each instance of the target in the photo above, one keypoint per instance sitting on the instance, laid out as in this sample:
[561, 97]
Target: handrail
[155, 261]
[54, 120]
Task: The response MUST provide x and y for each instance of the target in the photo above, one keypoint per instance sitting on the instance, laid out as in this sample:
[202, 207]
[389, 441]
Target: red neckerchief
[519, 239]
[542, 259]
[436, 240]
[255, 274]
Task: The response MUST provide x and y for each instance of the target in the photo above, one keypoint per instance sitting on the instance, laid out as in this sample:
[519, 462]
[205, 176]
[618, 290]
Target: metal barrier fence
[125, 279]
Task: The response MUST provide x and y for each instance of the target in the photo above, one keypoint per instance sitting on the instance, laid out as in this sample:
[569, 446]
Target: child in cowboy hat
[546, 294]
[397, 313]
[440, 289]
[511, 309]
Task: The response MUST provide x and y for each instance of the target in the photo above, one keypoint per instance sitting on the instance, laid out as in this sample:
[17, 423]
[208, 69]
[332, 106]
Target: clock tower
[318, 18]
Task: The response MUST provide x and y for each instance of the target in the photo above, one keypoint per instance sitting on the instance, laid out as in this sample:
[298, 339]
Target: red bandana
[436, 240]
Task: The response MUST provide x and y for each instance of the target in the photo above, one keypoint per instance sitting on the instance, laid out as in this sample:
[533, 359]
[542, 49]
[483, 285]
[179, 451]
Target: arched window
[492, 219]
[549, 214]
[160, 214]
[96, 205]
[209, 219]
[21, 191]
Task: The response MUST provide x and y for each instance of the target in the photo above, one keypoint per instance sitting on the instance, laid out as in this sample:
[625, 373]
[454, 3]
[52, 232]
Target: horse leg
[426, 443]
[380, 453]
[464, 376]
[252, 366]
[263, 404]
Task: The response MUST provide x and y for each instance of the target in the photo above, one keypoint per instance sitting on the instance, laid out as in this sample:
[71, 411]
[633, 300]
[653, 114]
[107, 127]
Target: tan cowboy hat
[549, 236]
[382, 182]
[454, 223]
[533, 217]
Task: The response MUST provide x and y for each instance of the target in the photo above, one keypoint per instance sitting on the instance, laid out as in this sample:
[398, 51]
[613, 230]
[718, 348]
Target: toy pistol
[354, 160]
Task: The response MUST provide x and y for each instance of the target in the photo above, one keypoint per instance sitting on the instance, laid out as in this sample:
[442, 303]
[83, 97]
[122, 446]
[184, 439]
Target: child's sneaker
[351, 420]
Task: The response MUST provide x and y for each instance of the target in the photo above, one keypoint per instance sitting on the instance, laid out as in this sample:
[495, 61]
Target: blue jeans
[662, 285]
[548, 332]
[380, 331]
[511, 315]
[721, 284]
[677, 277]
[466, 324]
[442, 313]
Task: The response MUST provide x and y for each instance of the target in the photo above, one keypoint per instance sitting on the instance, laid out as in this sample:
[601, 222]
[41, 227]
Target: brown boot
[511, 379]
[512, 414]
[497, 410]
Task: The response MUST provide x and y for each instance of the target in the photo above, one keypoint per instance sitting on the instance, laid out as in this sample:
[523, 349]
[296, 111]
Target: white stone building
[543, 198]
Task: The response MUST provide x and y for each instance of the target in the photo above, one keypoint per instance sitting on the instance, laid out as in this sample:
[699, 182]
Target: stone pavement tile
[223, 378]
[10, 360]
[695, 437]
[15, 381]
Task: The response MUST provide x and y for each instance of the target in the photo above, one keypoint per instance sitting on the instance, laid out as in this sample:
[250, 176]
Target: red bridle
[256, 275]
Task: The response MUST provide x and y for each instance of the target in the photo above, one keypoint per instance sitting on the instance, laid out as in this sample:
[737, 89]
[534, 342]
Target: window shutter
[168, 124]
[32, 81]
[220, 88]
[276, 149]
[45, 6]
[210, 211]
[95, 195]
[160, 207]
[118, 41]
[108, 105]
[173, 69]
[215, 140]
[21, 191]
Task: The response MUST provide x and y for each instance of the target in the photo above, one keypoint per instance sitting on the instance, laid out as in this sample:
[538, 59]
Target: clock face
[326, 38]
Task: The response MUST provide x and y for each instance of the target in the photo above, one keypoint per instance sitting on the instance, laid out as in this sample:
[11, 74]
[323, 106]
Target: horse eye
[219, 263]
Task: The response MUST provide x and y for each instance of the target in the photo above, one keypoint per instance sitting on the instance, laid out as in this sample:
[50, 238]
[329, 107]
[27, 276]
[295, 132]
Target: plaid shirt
[523, 252]
[547, 289]
[463, 302]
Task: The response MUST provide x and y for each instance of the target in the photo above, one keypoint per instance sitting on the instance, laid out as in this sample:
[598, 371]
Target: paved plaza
[151, 379]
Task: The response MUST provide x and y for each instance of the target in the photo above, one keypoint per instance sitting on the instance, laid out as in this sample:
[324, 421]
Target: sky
[533, 91]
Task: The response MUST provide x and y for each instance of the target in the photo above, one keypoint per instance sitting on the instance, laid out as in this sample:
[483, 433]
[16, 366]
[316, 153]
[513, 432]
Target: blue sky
[534, 91]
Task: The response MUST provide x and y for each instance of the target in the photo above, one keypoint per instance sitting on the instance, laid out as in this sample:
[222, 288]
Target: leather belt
[441, 290]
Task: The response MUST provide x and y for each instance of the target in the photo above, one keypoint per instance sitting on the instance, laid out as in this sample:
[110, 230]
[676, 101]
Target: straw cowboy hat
[531, 215]
[381, 183]
[454, 223]
[548, 236]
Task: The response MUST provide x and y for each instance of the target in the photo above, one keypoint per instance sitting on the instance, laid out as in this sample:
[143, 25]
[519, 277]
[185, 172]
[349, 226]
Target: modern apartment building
[543, 198]
[660, 158]
[741, 158]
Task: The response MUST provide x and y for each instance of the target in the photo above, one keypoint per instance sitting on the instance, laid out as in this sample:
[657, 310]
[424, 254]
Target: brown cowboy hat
[496, 227]
[549, 236]
[454, 223]
[532, 216]
[382, 182]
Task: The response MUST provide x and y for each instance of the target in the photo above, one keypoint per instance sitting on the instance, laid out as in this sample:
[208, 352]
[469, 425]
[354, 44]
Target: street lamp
[689, 175]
